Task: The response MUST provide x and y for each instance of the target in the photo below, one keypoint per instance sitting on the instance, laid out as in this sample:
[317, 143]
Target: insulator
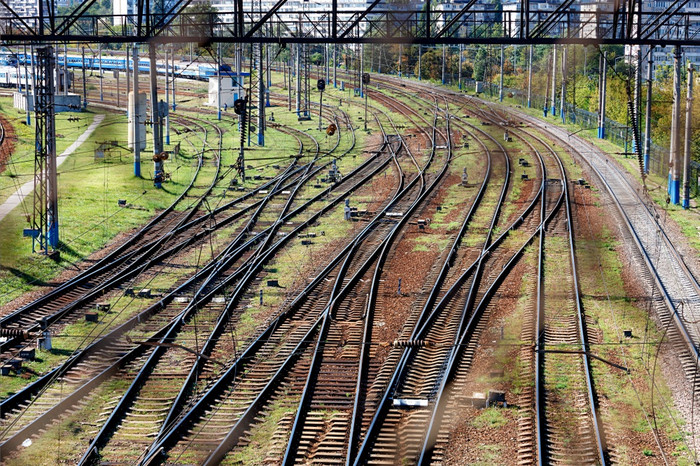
[243, 128]
[411, 343]
[13, 333]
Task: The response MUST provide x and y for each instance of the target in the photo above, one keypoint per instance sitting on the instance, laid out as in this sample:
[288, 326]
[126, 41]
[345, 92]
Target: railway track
[97, 352]
[328, 373]
[277, 360]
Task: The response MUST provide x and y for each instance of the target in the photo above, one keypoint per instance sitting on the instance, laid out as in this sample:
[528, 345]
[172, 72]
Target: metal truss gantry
[614, 21]
[45, 212]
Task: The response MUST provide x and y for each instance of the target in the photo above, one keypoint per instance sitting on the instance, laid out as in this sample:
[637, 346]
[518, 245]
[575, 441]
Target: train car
[201, 72]
[8, 59]
[8, 76]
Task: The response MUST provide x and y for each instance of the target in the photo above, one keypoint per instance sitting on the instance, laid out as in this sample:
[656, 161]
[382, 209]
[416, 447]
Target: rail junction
[378, 296]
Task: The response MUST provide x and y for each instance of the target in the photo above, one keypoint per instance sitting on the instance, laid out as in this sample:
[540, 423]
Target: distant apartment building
[595, 18]
[123, 8]
[663, 56]
[539, 11]
[311, 16]
[25, 8]
[482, 12]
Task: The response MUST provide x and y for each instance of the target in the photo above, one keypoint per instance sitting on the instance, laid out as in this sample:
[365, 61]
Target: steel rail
[124, 274]
[143, 374]
[693, 350]
[188, 418]
[597, 422]
[335, 297]
[9, 404]
[137, 266]
[129, 397]
[103, 263]
[420, 330]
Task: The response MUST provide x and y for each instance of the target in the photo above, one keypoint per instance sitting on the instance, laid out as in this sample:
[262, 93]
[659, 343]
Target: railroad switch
[104, 307]
[496, 398]
[44, 342]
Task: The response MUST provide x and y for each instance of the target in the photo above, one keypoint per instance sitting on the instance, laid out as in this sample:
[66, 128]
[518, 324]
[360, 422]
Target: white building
[595, 17]
[663, 56]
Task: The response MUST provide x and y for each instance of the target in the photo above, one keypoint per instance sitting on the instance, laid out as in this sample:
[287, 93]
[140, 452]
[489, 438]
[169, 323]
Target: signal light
[239, 106]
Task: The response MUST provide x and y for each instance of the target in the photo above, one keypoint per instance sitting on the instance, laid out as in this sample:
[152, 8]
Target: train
[204, 71]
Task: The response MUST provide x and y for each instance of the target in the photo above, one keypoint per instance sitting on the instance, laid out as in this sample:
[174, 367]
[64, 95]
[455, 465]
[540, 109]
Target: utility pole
[459, 65]
[637, 96]
[268, 78]
[135, 115]
[18, 78]
[100, 72]
[365, 81]
[167, 98]
[175, 80]
[529, 80]
[128, 77]
[31, 51]
[688, 137]
[335, 65]
[237, 66]
[500, 82]
[321, 86]
[362, 69]
[400, 58]
[65, 68]
[26, 88]
[45, 212]
[554, 80]
[602, 84]
[261, 97]
[288, 82]
[84, 84]
[674, 163]
[57, 84]
[647, 116]
[218, 81]
[444, 60]
[307, 90]
[297, 82]
[155, 119]
[155, 114]
[562, 100]
[116, 74]
[420, 56]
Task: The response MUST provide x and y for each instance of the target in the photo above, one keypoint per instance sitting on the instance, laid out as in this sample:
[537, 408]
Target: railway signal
[239, 106]
[365, 82]
[320, 85]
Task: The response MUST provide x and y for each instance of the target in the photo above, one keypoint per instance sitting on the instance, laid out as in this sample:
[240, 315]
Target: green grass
[492, 418]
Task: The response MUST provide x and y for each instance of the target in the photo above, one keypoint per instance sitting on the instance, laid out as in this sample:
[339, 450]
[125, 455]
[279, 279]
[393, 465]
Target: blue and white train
[192, 71]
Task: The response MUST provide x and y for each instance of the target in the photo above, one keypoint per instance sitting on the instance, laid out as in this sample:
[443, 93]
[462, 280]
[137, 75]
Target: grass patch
[491, 418]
